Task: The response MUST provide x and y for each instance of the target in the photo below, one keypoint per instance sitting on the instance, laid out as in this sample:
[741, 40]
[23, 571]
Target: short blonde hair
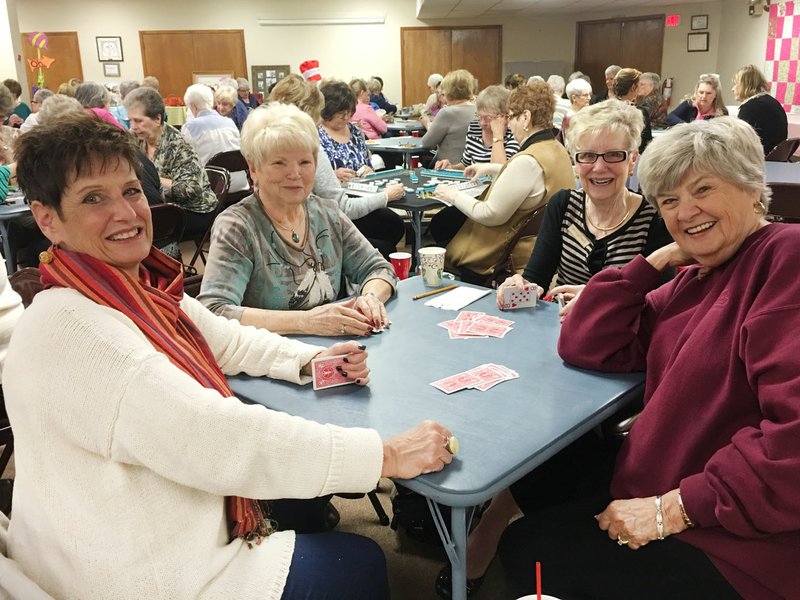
[358, 86]
[712, 80]
[750, 81]
[611, 115]
[277, 127]
[458, 85]
[305, 95]
[226, 92]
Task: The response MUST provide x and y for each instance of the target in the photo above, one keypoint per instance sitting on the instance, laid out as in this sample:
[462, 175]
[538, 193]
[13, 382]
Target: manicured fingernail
[338, 367]
[362, 347]
[597, 517]
[344, 360]
[344, 373]
[358, 381]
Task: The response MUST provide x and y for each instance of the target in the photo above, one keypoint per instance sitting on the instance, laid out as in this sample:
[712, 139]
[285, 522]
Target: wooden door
[426, 50]
[636, 42]
[423, 50]
[62, 47]
[479, 50]
[172, 56]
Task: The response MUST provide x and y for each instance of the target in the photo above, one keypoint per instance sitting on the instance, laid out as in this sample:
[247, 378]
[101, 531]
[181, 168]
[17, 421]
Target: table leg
[416, 224]
[10, 263]
[455, 543]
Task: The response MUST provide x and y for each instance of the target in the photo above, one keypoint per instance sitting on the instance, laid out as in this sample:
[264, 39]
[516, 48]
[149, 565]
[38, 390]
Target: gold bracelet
[495, 140]
[686, 520]
[659, 519]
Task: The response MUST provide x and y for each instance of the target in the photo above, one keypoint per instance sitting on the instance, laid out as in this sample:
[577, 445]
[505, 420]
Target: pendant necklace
[613, 227]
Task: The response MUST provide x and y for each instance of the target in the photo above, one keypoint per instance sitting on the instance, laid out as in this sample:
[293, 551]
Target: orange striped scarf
[153, 304]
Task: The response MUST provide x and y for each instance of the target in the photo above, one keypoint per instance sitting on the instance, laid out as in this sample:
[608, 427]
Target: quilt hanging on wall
[782, 66]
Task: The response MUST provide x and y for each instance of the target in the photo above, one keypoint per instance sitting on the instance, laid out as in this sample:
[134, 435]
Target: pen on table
[433, 292]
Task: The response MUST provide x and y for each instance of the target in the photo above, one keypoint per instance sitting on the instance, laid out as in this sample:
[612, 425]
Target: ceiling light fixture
[305, 22]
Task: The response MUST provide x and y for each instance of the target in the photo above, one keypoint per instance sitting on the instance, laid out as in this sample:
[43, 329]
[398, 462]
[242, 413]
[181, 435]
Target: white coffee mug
[431, 264]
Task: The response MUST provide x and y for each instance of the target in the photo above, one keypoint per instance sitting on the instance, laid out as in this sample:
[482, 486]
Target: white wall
[10, 45]
[344, 51]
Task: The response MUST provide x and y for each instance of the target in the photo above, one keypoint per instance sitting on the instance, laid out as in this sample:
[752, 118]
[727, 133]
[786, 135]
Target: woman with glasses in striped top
[603, 224]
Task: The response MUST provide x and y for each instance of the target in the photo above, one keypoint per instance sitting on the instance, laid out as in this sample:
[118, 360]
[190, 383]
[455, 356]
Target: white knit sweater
[122, 460]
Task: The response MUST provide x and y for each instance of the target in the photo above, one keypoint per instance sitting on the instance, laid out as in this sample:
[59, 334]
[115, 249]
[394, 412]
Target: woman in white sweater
[136, 468]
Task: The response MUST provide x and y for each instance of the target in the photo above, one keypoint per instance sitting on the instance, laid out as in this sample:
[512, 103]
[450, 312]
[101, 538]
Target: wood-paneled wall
[173, 56]
[61, 46]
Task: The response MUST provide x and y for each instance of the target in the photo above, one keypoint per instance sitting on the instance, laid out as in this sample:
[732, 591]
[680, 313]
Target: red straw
[538, 580]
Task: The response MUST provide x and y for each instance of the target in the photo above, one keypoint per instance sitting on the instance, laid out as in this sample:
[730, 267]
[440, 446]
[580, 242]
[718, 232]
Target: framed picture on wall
[697, 42]
[111, 69]
[263, 76]
[699, 22]
[211, 78]
[109, 49]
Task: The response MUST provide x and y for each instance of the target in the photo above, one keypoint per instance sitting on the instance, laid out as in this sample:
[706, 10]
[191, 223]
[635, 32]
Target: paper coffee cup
[431, 265]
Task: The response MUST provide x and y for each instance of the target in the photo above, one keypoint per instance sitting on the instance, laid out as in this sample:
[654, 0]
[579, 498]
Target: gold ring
[342, 329]
[451, 443]
[622, 542]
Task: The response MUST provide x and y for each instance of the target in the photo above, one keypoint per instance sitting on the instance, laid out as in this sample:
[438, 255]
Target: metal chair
[234, 162]
[784, 151]
[785, 204]
[220, 180]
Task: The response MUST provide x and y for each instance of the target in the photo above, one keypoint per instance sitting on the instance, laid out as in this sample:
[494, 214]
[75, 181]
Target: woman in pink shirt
[365, 116]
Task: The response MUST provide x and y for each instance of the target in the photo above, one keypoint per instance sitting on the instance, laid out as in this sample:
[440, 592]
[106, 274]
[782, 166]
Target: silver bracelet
[659, 519]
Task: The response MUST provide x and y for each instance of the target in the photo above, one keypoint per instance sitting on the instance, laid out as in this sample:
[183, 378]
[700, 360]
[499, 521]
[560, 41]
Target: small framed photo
[697, 42]
[111, 69]
[699, 22]
[109, 49]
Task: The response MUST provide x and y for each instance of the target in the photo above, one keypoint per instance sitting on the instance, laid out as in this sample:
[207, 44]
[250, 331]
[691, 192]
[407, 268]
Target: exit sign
[673, 20]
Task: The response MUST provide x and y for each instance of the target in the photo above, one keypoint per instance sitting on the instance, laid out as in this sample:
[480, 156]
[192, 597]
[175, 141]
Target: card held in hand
[324, 373]
[514, 297]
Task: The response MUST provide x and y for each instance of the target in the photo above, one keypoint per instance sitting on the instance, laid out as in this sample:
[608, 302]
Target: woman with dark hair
[20, 110]
[626, 88]
[145, 467]
[759, 108]
[182, 176]
[340, 139]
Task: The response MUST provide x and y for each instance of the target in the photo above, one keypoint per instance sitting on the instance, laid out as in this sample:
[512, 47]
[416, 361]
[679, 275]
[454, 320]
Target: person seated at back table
[521, 186]
[380, 225]
[130, 445]
[182, 176]
[364, 116]
[228, 104]
[626, 89]
[488, 138]
[247, 98]
[280, 258]
[19, 111]
[375, 87]
[702, 499]
[705, 103]
[447, 132]
[36, 104]
[603, 224]
[764, 113]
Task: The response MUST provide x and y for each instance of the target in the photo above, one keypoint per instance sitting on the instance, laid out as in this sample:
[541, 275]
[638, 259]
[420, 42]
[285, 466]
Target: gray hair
[7, 101]
[275, 127]
[151, 82]
[725, 146]
[434, 79]
[200, 95]
[556, 83]
[610, 116]
[148, 99]
[494, 99]
[92, 95]
[127, 86]
[653, 78]
[242, 83]
[613, 70]
[226, 92]
[374, 86]
[533, 78]
[578, 86]
[55, 106]
[42, 94]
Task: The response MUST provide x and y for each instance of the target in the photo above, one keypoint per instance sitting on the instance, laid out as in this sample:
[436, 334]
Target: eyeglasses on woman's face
[611, 157]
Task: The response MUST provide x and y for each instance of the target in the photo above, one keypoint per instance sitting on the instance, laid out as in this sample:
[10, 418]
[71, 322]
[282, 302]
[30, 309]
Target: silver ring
[622, 542]
[342, 329]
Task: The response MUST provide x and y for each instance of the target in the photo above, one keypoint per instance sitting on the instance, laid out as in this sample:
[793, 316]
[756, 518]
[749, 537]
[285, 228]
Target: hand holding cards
[514, 297]
[341, 364]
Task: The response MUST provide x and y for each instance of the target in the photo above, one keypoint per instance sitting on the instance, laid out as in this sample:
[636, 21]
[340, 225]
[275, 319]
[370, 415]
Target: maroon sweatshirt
[722, 399]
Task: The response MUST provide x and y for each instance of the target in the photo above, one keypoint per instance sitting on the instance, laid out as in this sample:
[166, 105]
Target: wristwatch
[495, 140]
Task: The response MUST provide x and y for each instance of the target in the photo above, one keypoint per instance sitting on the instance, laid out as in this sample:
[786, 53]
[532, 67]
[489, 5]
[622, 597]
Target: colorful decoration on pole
[39, 41]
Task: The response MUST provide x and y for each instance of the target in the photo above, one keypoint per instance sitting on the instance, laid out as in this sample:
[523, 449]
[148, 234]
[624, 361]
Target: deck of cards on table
[514, 297]
[481, 378]
[324, 373]
[472, 324]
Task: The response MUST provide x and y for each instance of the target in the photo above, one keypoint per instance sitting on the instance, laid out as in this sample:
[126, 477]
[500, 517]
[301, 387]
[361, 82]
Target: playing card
[466, 336]
[456, 382]
[324, 373]
[518, 298]
[488, 374]
[482, 327]
[469, 315]
[496, 321]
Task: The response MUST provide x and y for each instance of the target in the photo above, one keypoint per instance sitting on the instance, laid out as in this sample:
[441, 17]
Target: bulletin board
[782, 66]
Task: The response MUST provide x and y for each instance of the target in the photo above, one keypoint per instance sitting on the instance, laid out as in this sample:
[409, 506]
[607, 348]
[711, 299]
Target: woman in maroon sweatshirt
[706, 488]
